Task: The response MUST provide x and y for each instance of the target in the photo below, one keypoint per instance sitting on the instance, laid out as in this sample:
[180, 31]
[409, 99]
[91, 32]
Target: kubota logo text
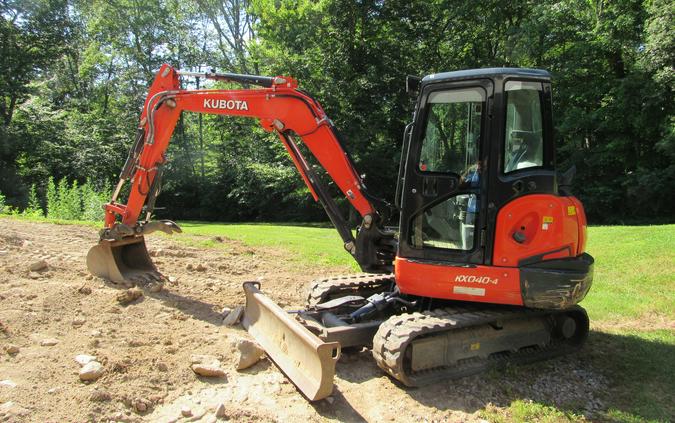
[212, 103]
[476, 279]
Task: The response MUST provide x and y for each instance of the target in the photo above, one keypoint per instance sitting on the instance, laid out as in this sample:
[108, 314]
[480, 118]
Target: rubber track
[321, 289]
[395, 334]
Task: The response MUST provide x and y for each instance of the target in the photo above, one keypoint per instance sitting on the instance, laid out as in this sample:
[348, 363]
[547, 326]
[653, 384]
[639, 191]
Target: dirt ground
[145, 347]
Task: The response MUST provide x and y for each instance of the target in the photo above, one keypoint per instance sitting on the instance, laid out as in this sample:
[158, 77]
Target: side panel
[463, 283]
[534, 228]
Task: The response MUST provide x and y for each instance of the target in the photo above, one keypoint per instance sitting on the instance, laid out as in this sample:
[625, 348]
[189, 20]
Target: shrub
[74, 202]
[52, 199]
[92, 202]
[34, 209]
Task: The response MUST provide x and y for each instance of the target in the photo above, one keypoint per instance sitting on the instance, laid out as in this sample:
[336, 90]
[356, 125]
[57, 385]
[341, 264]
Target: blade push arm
[279, 107]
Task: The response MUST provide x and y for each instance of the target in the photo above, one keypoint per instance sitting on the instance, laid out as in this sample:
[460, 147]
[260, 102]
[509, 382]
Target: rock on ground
[83, 359]
[220, 411]
[91, 371]
[49, 342]
[249, 353]
[38, 266]
[9, 411]
[129, 296]
[234, 316]
[141, 405]
[207, 366]
[7, 383]
[84, 290]
[155, 287]
[11, 349]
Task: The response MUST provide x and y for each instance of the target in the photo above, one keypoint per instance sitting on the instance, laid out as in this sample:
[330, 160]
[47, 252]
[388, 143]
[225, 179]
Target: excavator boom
[280, 107]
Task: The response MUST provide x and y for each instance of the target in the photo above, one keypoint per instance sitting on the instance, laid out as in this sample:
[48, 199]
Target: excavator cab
[479, 197]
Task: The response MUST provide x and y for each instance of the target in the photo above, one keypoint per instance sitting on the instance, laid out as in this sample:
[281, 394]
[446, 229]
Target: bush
[71, 202]
[34, 209]
[2, 204]
[92, 202]
[74, 202]
[52, 199]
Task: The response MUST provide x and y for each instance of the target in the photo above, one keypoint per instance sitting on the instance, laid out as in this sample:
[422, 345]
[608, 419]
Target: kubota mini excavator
[486, 266]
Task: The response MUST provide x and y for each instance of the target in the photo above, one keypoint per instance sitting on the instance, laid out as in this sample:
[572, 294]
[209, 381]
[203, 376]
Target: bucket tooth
[122, 261]
[307, 361]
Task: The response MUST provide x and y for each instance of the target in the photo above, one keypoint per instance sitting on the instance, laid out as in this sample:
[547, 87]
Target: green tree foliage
[61, 209]
[74, 74]
[71, 202]
[91, 205]
[33, 34]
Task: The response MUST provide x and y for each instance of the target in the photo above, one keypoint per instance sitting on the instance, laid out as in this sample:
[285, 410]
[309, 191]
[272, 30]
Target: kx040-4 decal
[476, 279]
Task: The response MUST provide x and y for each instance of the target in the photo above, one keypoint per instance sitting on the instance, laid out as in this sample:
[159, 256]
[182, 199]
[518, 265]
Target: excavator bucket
[307, 361]
[122, 261]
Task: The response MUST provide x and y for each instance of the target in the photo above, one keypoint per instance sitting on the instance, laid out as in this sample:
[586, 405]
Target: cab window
[449, 224]
[452, 133]
[524, 140]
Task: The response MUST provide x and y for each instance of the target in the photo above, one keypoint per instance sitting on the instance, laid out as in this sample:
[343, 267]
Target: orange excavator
[488, 261]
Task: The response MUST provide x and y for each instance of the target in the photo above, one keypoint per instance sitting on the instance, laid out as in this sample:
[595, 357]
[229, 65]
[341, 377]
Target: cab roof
[487, 72]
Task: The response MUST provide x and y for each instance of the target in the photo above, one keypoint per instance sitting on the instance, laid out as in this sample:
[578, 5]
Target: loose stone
[234, 316]
[91, 371]
[249, 353]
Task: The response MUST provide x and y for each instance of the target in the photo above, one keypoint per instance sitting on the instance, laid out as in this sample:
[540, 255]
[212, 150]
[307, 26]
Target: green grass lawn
[634, 272]
[312, 244]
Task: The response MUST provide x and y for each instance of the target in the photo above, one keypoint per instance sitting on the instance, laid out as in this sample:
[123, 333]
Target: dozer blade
[122, 261]
[307, 361]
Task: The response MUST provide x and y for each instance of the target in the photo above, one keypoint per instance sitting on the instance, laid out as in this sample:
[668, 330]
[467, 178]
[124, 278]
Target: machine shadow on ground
[606, 369]
[611, 368]
[340, 410]
[200, 310]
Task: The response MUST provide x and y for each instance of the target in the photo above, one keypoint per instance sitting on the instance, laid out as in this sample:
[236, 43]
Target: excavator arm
[280, 107]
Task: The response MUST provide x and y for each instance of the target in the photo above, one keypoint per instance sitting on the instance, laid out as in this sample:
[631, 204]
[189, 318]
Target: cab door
[523, 147]
[442, 210]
